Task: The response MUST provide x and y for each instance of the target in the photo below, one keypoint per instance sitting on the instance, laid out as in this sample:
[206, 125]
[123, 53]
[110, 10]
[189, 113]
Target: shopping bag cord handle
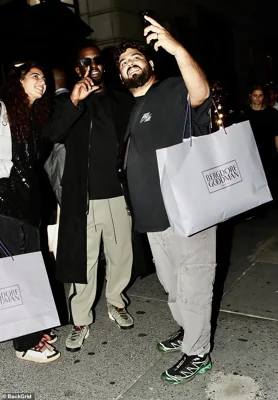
[5, 249]
[188, 110]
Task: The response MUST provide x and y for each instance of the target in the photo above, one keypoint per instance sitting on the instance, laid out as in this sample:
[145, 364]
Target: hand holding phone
[148, 13]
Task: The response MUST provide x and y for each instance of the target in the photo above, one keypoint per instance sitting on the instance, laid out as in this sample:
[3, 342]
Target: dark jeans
[20, 238]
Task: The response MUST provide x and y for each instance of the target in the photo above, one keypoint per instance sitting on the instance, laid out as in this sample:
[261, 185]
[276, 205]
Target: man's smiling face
[135, 70]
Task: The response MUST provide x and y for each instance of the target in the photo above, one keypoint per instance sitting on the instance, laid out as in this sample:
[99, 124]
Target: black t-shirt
[160, 124]
[103, 180]
[264, 124]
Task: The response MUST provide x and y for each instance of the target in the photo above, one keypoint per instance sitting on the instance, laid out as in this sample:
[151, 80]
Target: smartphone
[148, 13]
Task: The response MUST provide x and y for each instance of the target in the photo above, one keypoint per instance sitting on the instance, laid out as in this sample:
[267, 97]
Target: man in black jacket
[92, 123]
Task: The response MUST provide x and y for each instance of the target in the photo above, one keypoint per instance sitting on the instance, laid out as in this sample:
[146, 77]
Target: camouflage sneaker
[77, 337]
[122, 318]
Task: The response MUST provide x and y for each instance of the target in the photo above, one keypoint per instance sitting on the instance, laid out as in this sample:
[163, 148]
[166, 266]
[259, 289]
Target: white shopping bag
[52, 232]
[217, 177]
[26, 301]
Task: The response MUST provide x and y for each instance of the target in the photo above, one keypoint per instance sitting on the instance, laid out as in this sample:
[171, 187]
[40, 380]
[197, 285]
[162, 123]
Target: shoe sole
[121, 327]
[74, 349]
[202, 371]
[162, 349]
[42, 361]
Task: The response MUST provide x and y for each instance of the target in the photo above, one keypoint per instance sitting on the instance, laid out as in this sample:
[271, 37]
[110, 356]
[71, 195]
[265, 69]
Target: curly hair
[20, 112]
[146, 50]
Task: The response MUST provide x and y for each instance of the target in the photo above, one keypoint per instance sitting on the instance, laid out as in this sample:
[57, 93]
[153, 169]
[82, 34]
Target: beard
[97, 81]
[138, 79]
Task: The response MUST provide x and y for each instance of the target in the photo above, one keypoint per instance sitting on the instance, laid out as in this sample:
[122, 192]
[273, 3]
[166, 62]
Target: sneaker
[122, 318]
[187, 368]
[173, 343]
[50, 337]
[77, 337]
[42, 353]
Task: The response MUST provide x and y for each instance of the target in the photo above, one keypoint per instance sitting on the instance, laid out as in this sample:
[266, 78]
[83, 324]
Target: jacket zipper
[88, 197]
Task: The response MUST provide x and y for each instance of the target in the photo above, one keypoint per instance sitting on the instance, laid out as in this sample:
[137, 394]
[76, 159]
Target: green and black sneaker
[187, 368]
[173, 343]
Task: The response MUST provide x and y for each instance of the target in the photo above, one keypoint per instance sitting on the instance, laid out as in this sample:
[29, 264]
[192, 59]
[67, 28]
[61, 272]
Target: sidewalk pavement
[125, 365]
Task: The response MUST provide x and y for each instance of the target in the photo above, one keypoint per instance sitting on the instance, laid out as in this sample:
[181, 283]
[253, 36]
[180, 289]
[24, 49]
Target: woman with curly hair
[24, 112]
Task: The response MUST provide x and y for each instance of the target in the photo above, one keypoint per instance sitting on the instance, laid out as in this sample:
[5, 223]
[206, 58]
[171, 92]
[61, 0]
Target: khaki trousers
[186, 268]
[110, 220]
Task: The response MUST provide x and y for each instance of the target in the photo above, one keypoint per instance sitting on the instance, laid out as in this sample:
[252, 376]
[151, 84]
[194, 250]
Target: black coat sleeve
[63, 117]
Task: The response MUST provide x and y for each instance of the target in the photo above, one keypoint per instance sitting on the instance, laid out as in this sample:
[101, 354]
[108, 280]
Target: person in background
[272, 97]
[54, 168]
[26, 106]
[264, 124]
[55, 163]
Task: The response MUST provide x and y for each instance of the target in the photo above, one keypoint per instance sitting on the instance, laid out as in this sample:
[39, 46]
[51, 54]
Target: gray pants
[108, 219]
[186, 268]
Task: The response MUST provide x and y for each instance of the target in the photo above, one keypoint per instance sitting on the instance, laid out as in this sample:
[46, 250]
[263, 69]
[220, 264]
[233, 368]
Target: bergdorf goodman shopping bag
[26, 301]
[208, 179]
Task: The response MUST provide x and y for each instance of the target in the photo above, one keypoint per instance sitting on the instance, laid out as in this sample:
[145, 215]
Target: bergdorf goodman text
[222, 176]
[10, 297]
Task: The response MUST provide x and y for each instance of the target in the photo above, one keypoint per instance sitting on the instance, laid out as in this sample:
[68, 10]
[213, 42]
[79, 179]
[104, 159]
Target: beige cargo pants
[110, 220]
[186, 268]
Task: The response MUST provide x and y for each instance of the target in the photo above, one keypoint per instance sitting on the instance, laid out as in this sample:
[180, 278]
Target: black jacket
[20, 193]
[71, 125]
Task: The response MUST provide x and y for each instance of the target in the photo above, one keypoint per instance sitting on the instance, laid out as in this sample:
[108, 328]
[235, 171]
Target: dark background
[236, 50]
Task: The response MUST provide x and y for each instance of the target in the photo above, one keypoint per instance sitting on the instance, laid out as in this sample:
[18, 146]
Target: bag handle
[5, 250]
[189, 111]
